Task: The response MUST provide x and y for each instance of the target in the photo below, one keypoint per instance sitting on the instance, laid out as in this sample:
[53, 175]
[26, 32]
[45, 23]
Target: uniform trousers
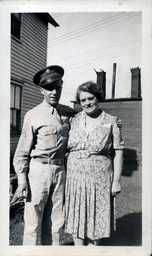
[43, 214]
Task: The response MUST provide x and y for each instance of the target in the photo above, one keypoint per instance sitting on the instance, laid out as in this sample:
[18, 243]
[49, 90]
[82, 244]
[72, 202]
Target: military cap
[48, 75]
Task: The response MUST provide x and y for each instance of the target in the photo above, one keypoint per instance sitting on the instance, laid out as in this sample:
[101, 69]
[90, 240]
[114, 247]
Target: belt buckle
[84, 154]
[55, 161]
[87, 154]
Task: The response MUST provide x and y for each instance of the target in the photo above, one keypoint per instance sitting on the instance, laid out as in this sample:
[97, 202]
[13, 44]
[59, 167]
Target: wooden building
[29, 32]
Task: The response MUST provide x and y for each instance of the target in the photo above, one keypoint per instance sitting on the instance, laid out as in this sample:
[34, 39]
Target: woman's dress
[89, 170]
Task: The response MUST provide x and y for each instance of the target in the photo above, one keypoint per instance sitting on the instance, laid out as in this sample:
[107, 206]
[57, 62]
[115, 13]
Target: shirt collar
[51, 109]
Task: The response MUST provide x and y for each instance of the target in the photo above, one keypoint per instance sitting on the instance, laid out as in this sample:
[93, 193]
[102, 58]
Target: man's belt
[49, 161]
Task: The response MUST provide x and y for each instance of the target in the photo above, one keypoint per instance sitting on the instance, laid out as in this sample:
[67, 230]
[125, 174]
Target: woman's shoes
[93, 242]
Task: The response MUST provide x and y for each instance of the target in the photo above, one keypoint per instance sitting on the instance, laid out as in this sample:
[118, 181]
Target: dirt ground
[128, 212]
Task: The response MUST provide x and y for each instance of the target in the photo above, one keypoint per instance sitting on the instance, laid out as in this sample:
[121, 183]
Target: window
[16, 25]
[15, 109]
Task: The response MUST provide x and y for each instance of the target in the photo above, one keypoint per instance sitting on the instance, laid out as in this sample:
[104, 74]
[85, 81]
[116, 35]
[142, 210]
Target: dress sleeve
[22, 153]
[117, 135]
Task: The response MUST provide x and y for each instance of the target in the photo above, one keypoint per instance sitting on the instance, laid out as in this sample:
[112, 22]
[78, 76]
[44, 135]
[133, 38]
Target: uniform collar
[51, 109]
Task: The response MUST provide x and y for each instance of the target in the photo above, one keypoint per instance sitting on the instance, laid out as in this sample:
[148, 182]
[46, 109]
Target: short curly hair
[90, 87]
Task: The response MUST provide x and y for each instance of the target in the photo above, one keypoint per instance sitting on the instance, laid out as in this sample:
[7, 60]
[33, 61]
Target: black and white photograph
[78, 135]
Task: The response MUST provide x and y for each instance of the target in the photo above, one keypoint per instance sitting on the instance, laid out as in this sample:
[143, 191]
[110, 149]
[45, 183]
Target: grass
[128, 212]
[16, 224]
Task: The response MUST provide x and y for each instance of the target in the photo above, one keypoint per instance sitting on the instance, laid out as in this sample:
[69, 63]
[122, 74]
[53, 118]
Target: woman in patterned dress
[92, 176]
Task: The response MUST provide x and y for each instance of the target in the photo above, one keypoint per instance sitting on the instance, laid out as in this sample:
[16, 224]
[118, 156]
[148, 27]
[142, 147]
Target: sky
[85, 42]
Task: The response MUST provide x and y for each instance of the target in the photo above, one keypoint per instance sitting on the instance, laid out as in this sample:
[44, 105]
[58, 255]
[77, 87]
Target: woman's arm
[118, 165]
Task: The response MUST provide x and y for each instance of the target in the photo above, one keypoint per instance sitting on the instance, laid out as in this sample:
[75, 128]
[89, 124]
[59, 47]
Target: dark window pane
[17, 15]
[15, 113]
[12, 96]
[14, 118]
[15, 26]
[11, 118]
[17, 97]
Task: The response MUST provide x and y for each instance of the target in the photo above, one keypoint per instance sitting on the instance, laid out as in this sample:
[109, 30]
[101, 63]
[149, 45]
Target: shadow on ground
[132, 160]
[128, 233]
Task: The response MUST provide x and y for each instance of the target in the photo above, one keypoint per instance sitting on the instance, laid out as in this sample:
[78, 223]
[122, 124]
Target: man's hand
[20, 193]
[116, 188]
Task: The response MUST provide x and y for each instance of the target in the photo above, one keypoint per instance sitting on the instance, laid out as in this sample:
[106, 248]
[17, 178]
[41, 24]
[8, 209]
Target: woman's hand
[118, 164]
[116, 187]
[119, 123]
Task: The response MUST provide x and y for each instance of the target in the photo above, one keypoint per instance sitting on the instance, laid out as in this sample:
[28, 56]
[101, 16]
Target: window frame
[17, 20]
[17, 109]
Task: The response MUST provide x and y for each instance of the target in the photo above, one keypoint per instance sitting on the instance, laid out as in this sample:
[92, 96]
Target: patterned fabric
[88, 181]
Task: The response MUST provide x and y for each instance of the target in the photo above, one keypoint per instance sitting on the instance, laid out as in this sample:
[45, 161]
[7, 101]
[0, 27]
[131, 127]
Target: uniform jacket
[44, 135]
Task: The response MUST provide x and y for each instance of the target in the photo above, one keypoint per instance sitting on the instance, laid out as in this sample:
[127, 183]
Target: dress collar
[98, 120]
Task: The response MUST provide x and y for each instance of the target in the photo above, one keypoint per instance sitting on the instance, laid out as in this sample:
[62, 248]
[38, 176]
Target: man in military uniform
[39, 161]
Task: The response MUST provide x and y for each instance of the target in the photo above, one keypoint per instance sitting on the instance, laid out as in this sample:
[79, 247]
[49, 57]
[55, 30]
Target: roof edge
[47, 17]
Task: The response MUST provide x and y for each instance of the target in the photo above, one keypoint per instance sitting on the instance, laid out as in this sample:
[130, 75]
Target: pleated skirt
[87, 197]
